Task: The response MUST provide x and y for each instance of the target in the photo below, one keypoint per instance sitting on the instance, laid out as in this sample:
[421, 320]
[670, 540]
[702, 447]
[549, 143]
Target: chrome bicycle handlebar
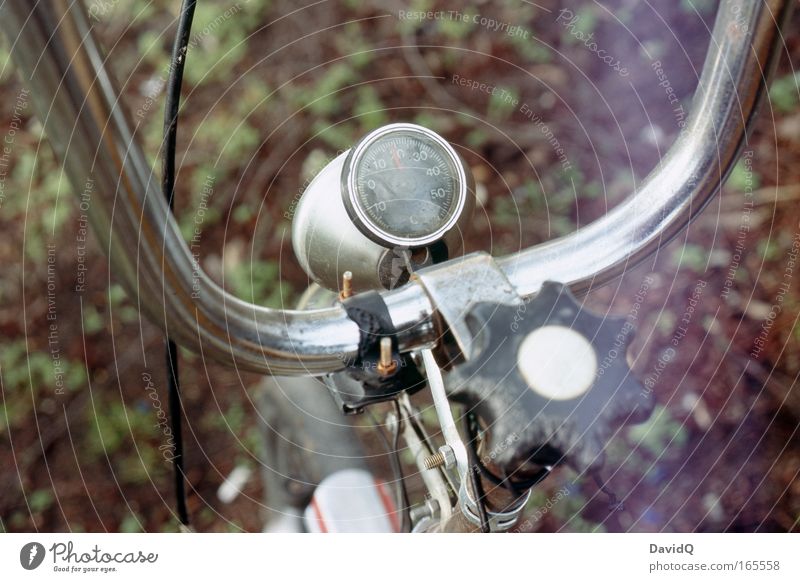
[744, 48]
[54, 48]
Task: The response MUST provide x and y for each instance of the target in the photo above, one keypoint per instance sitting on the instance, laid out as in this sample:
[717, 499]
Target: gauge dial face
[405, 186]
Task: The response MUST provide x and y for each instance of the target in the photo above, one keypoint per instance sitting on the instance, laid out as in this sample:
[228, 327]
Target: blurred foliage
[691, 256]
[27, 377]
[742, 178]
[784, 93]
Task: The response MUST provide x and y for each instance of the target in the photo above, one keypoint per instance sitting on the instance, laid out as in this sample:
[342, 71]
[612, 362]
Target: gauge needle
[396, 157]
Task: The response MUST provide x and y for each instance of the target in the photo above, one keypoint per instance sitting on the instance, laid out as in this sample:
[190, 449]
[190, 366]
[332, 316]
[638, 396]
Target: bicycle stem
[54, 47]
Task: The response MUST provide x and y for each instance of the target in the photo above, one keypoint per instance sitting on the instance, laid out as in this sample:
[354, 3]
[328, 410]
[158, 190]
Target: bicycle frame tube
[55, 50]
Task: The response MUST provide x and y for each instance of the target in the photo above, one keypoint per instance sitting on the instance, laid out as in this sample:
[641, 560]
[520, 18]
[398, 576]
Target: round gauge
[404, 186]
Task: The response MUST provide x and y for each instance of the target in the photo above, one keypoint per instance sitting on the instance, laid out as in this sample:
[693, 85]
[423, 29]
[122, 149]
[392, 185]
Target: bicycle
[466, 328]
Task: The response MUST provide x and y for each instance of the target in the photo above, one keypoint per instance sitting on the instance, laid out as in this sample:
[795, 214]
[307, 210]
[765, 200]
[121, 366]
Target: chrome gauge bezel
[350, 187]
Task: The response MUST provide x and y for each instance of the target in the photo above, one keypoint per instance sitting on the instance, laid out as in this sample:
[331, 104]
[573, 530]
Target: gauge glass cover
[405, 186]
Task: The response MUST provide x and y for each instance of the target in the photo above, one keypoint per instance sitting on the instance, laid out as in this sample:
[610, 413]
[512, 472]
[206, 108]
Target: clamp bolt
[444, 458]
[347, 286]
[386, 366]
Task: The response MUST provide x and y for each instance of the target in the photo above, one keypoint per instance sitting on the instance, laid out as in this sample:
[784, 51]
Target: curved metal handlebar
[744, 47]
[55, 50]
[76, 99]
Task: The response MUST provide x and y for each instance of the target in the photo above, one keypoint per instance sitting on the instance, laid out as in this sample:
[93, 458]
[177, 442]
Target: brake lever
[453, 454]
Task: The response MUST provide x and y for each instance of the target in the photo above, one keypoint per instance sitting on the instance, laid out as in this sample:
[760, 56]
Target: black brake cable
[475, 471]
[403, 502]
[517, 487]
[171, 107]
